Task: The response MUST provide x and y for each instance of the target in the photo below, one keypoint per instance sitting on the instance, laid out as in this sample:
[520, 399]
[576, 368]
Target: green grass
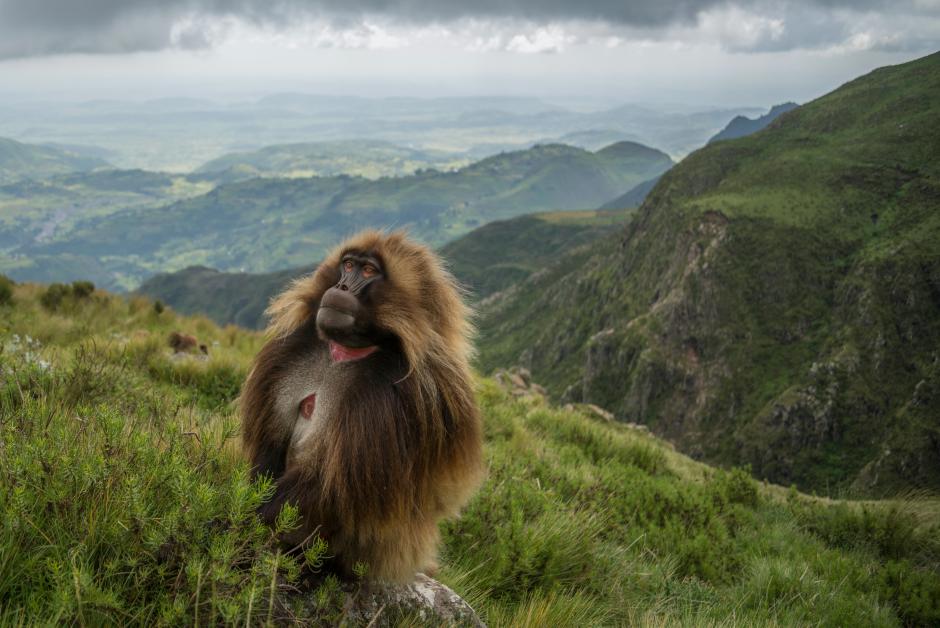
[124, 501]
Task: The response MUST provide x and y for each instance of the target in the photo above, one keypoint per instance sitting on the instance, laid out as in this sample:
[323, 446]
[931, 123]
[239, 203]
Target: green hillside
[490, 258]
[775, 302]
[37, 213]
[226, 298]
[267, 224]
[365, 158]
[125, 502]
[503, 253]
[29, 161]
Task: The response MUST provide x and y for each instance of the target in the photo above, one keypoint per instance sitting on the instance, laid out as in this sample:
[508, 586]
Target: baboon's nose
[338, 311]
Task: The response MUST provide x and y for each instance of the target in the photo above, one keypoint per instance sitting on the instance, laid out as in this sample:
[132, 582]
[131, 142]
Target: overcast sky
[571, 51]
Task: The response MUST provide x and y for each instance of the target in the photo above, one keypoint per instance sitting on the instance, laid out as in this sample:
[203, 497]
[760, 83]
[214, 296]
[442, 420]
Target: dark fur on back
[399, 446]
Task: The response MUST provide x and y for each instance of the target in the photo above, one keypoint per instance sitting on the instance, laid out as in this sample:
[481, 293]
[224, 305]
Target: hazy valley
[118, 227]
[182, 134]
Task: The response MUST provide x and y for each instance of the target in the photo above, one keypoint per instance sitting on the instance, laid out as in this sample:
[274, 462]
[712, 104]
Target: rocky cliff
[775, 302]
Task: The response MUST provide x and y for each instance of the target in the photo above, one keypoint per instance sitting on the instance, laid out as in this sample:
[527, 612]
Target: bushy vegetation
[124, 501]
[60, 295]
[6, 290]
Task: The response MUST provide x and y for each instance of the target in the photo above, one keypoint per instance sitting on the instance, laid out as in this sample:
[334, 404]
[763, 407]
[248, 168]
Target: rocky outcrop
[518, 382]
[425, 599]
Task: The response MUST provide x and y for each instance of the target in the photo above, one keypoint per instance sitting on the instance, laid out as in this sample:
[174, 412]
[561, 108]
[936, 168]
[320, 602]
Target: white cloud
[195, 32]
[737, 29]
[551, 38]
[364, 36]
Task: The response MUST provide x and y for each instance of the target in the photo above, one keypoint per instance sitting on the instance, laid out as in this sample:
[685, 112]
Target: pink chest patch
[308, 405]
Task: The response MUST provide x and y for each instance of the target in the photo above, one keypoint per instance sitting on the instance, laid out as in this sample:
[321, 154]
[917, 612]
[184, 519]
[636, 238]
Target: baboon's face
[345, 318]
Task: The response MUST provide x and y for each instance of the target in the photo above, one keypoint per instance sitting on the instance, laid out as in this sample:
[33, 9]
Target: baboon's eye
[369, 271]
[348, 266]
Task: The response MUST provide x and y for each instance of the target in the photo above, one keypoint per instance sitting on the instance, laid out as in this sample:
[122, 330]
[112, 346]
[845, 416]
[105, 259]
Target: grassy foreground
[124, 501]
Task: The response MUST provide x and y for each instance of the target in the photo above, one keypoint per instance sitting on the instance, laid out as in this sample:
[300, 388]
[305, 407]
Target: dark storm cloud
[76, 14]
[41, 27]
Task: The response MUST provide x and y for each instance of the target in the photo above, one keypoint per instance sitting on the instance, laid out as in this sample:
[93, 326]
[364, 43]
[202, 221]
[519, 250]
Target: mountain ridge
[741, 126]
[762, 306]
[35, 161]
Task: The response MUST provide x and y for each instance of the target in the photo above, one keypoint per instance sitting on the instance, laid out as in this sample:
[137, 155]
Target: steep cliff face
[776, 301]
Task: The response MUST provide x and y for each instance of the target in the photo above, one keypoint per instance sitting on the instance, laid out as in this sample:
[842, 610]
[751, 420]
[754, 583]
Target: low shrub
[6, 290]
[54, 296]
[82, 289]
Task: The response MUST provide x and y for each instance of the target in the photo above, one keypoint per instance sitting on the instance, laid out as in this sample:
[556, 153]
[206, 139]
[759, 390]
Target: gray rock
[379, 604]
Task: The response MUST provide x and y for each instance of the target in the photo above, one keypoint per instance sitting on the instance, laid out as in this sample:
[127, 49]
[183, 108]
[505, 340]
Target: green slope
[40, 213]
[226, 298]
[29, 161]
[124, 502]
[503, 253]
[487, 259]
[265, 224]
[775, 302]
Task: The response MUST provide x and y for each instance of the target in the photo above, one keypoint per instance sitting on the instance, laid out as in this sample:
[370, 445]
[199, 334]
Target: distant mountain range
[775, 302]
[28, 161]
[264, 224]
[741, 126]
[178, 135]
[371, 159]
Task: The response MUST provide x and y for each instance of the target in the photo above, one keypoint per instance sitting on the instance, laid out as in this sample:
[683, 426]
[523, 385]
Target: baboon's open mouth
[340, 353]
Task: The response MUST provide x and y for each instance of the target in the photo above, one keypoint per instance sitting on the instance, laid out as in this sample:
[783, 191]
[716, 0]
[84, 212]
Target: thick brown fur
[398, 439]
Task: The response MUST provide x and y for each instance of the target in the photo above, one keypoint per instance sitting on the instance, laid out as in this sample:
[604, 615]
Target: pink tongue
[339, 353]
[308, 405]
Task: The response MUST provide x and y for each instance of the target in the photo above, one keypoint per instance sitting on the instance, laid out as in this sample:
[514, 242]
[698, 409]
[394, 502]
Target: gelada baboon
[361, 405]
[184, 343]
